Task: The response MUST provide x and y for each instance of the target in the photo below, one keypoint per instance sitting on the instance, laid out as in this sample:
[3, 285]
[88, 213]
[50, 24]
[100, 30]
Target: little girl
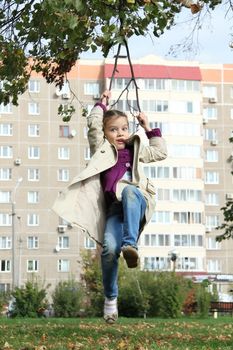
[112, 199]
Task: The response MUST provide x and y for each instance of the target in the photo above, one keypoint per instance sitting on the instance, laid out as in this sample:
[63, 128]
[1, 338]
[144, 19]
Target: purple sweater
[111, 176]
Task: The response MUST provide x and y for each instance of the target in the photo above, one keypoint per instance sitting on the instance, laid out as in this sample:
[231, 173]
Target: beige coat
[82, 203]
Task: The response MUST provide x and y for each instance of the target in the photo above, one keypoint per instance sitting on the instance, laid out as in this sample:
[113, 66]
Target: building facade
[40, 154]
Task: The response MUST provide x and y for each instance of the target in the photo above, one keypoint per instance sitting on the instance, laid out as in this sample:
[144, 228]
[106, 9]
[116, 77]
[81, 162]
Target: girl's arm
[95, 122]
[157, 149]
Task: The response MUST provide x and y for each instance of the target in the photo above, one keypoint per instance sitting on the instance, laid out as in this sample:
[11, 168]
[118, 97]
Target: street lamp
[13, 213]
[173, 254]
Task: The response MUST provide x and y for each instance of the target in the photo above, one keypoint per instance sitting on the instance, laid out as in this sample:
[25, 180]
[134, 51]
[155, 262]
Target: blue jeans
[122, 228]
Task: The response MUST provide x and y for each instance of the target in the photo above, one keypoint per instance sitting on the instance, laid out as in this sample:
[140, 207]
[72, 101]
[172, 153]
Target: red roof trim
[154, 71]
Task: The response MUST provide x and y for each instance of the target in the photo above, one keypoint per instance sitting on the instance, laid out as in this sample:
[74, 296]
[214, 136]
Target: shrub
[67, 298]
[29, 300]
[92, 283]
[134, 299]
[4, 300]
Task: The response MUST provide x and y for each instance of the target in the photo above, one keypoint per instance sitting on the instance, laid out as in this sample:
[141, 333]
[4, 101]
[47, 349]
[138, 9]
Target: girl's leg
[134, 207]
[110, 254]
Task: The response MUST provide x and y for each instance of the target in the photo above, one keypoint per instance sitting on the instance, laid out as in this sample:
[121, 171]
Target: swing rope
[132, 80]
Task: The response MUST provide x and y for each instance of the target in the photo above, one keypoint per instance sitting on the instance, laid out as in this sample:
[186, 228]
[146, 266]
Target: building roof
[154, 71]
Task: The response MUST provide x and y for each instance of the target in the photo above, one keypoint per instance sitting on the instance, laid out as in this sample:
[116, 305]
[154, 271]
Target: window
[156, 172]
[187, 240]
[87, 153]
[89, 243]
[4, 287]
[184, 173]
[186, 195]
[187, 263]
[5, 219]
[33, 174]
[210, 113]
[33, 108]
[5, 265]
[212, 221]
[33, 152]
[5, 109]
[152, 240]
[32, 219]
[33, 86]
[33, 130]
[32, 266]
[213, 265]
[64, 153]
[210, 91]
[122, 83]
[126, 105]
[210, 134]
[155, 84]
[187, 217]
[6, 152]
[184, 151]
[211, 177]
[185, 85]
[63, 242]
[156, 263]
[33, 242]
[92, 89]
[231, 113]
[211, 199]
[189, 107]
[5, 242]
[155, 105]
[5, 174]
[85, 131]
[211, 156]
[63, 265]
[6, 129]
[64, 131]
[212, 243]
[163, 217]
[33, 196]
[163, 194]
[5, 196]
[63, 175]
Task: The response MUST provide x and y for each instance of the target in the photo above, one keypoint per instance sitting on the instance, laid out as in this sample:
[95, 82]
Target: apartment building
[40, 154]
[217, 82]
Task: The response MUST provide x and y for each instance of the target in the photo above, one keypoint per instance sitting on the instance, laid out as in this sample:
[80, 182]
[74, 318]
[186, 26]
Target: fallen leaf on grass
[7, 346]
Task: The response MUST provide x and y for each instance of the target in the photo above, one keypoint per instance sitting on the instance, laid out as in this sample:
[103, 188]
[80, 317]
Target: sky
[211, 45]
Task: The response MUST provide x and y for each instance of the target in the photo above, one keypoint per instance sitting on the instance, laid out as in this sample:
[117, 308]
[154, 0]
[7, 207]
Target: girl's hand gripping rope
[143, 121]
[105, 97]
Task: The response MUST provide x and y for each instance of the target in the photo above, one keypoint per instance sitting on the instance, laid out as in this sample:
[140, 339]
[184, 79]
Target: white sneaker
[110, 310]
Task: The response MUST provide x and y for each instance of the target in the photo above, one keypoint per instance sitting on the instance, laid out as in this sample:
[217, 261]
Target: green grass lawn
[127, 334]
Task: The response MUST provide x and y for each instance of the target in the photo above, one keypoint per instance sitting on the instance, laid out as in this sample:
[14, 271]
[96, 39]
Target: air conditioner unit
[212, 100]
[214, 142]
[72, 133]
[205, 120]
[57, 249]
[229, 196]
[17, 161]
[61, 228]
[208, 229]
[66, 95]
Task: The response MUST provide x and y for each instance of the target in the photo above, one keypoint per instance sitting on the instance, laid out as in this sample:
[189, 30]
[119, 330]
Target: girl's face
[116, 131]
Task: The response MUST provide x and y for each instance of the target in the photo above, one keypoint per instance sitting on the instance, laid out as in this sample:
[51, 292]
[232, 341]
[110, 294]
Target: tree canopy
[53, 33]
